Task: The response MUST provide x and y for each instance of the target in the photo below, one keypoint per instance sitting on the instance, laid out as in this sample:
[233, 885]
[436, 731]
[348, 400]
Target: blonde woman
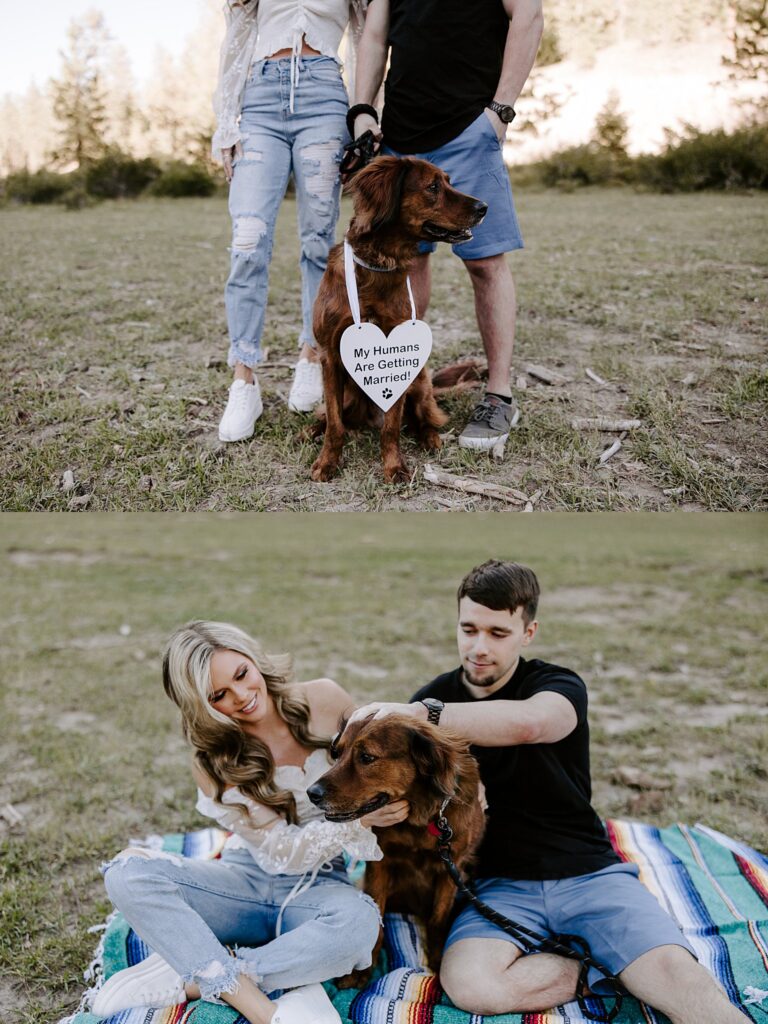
[279, 897]
[281, 108]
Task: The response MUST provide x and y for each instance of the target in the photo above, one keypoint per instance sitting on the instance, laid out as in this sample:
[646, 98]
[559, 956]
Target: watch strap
[434, 709]
[504, 111]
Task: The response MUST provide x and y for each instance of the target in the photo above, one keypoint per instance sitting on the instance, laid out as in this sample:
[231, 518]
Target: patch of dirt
[75, 721]
[10, 1000]
[710, 715]
[28, 559]
[625, 603]
[614, 723]
[352, 668]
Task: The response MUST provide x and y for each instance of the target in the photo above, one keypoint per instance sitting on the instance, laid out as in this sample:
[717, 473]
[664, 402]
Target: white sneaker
[306, 1005]
[153, 982]
[243, 409]
[307, 387]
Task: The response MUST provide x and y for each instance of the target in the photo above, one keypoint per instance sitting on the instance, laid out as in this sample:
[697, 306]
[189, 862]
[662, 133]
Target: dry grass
[664, 616]
[114, 342]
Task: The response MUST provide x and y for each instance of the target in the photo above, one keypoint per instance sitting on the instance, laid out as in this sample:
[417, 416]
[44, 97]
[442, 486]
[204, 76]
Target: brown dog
[396, 758]
[398, 203]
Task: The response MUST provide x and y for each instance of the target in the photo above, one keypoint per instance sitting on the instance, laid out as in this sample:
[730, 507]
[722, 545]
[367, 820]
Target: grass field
[114, 344]
[664, 616]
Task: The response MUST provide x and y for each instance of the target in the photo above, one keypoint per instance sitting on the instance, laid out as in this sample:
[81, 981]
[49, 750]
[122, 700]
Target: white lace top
[283, 848]
[263, 27]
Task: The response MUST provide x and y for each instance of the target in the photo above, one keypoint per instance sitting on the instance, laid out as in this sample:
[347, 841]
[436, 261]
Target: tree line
[92, 105]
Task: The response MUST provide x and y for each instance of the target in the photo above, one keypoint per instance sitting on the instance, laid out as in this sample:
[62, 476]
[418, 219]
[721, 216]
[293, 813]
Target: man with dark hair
[455, 72]
[545, 860]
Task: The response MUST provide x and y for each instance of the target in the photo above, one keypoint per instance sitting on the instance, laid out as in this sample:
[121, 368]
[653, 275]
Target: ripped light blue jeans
[187, 910]
[308, 141]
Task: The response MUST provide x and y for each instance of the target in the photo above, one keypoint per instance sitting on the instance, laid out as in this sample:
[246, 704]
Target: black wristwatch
[505, 112]
[434, 709]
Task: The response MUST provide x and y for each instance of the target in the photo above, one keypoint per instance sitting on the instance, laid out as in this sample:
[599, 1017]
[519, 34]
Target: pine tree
[612, 127]
[78, 94]
[749, 38]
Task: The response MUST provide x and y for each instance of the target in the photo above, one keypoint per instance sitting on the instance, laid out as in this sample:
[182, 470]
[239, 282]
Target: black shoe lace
[483, 412]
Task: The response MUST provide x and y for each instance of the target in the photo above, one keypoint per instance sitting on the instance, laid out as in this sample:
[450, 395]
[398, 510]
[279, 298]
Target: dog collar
[376, 270]
[349, 274]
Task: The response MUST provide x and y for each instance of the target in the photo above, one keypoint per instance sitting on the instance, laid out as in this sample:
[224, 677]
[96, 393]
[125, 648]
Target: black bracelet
[353, 112]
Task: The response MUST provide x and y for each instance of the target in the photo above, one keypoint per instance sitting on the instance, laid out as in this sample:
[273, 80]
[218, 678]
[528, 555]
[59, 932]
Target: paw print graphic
[387, 393]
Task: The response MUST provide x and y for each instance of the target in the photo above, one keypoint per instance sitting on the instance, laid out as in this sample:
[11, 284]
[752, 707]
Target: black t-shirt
[445, 64]
[541, 824]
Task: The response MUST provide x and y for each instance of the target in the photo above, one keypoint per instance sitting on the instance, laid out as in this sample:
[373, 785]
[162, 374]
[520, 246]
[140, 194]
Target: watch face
[504, 111]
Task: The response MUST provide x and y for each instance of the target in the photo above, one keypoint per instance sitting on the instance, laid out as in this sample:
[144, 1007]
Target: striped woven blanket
[714, 887]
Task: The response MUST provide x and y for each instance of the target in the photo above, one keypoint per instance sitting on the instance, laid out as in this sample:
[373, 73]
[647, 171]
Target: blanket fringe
[94, 972]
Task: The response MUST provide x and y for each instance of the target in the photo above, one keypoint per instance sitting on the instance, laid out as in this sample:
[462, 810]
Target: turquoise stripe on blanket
[715, 887]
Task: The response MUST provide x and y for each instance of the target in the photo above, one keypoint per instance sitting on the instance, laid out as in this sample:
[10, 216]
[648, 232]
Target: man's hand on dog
[380, 709]
[389, 814]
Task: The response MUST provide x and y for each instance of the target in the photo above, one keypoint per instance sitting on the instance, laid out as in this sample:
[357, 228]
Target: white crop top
[263, 27]
[279, 848]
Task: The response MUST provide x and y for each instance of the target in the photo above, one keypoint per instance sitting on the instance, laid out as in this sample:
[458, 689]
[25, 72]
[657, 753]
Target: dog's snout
[481, 208]
[316, 792]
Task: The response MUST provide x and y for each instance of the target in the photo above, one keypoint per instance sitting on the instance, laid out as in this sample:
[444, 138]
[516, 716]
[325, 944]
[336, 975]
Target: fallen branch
[532, 501]
[497, 452]
[602, 423]
[593, 376]
[610, 452]
[442, 478]
[545, 374]
[11, 815]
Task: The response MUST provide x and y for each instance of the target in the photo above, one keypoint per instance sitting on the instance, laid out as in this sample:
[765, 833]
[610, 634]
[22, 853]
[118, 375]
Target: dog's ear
[377, 191]
[434, 761]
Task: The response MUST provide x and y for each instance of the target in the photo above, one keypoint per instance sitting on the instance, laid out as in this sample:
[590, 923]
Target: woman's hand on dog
[228, 156]
[389, 814]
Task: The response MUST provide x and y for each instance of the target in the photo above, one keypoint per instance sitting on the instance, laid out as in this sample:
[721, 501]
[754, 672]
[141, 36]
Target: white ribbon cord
[299, 889]
[351, 280]
[298, 39]
[349, 274]
[410, 296]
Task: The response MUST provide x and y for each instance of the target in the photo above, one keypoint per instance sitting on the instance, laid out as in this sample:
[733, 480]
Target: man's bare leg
[491, 976]
[421, 282]
[496, 309]
[669, 979]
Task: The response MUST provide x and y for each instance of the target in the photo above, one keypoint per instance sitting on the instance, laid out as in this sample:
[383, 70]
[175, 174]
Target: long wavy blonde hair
[223, 750]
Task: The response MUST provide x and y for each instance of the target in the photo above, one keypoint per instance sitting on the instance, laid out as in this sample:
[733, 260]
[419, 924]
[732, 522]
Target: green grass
[114, 350]
[664, 616]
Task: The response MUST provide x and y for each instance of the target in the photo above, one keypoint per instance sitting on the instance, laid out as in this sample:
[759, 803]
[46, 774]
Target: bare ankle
[243, 372]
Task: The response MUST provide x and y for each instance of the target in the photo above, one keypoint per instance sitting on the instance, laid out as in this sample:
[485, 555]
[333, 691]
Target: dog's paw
[323, 471]
[431, 440]
[397, 473]
[357, 979]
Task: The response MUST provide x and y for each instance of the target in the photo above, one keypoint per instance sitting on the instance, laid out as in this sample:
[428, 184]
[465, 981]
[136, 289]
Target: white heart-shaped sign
[384, 365]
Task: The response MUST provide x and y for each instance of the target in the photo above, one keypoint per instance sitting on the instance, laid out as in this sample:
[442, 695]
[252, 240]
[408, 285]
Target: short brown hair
[500, 585]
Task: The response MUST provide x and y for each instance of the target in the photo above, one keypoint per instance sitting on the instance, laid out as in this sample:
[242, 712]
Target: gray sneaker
[490, 423]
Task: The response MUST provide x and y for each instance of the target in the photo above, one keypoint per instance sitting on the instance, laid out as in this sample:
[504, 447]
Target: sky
[33, 31]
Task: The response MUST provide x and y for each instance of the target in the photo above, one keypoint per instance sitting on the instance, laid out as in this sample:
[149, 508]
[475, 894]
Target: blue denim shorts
[475, 165]
[611, 909]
